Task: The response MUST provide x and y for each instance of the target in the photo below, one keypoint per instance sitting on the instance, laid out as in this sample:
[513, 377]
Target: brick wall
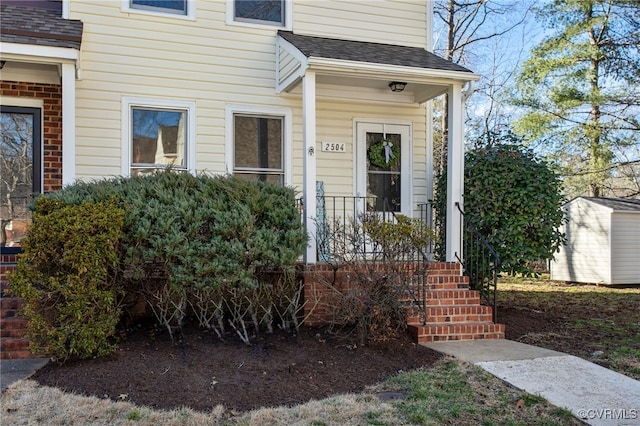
[323, 288]
[51, 95]
[7, 263]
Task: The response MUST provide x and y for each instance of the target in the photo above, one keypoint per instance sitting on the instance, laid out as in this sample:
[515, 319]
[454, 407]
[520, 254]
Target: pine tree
[580, 87]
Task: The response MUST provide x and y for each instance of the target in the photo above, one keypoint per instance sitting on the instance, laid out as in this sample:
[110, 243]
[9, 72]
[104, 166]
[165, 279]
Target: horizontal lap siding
[395, 22]
[137, 55]
[586, 256]
[625, 243]
[335, 121]
[215, 64]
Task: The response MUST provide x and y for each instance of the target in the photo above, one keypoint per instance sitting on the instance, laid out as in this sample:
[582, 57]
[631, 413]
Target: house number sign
[333, 147]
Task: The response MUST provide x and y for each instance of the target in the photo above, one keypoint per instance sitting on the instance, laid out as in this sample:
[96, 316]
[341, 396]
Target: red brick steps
[453, 311]
[458, 331]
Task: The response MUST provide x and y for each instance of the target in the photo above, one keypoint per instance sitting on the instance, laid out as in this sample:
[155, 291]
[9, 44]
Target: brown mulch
[205, 371]
[279, 369]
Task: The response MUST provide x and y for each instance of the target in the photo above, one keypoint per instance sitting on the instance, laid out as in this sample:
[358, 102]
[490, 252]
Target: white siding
[207, 61]
[335, 124]
[625, 244]
[587, 255]
[394, 22]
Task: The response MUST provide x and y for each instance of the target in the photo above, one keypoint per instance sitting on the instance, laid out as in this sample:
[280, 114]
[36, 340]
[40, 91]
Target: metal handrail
[420, 300]
[480, 262]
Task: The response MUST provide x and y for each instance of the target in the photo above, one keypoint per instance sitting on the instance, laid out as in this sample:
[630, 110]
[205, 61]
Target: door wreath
[384, 154]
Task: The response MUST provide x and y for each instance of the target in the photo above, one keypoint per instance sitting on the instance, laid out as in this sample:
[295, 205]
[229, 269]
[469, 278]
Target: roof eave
[329, 66]
[38, 53]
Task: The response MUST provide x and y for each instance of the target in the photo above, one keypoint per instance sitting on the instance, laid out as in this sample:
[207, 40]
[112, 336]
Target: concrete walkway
[594, 394]
[12, 370]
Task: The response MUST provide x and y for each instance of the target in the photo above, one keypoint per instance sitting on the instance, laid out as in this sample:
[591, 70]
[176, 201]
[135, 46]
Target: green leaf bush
[67, 275]
[513, 198]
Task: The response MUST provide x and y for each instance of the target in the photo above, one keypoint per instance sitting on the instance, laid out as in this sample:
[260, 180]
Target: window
[384, 171]
[158, 135]
[164, 7]
[20, 172]
[258, 148]
[261, 12]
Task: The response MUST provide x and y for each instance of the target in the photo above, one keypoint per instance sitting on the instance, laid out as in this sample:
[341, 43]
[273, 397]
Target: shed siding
[625, 243]
[215, 64]
[586, 256]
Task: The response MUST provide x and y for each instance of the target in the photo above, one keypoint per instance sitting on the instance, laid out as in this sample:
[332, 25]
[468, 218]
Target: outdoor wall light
[397, 86]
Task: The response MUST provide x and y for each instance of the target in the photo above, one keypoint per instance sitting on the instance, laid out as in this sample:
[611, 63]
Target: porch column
[68, 123]
[455, 174]
[309, 160]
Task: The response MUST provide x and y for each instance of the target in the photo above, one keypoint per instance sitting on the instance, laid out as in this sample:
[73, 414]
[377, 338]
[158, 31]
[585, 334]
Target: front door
[383, 166]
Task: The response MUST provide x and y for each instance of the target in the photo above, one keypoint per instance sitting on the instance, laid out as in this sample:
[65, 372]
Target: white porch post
[309, 159]
[455, 174]
[68, 123]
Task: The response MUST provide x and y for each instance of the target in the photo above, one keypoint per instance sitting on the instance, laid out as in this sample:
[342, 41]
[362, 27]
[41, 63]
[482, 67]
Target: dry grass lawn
[451, 393]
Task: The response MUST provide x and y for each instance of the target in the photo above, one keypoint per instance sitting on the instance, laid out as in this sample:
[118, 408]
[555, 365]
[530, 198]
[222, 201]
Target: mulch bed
[205, 371]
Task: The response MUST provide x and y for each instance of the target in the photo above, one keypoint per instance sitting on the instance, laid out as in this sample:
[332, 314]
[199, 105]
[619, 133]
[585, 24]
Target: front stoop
[453, 311]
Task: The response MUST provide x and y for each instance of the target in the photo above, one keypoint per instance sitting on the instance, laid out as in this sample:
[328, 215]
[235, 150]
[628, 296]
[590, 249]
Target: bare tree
[16, 169]
[467, 24]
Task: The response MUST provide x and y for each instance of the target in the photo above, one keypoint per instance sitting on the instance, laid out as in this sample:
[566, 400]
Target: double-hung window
[182, 8]
[20, 172]
[258, 148]
[261, 12]
[158, 135]
[258, 143]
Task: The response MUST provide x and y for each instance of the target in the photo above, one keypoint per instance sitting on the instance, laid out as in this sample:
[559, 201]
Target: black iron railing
[425, 213]
[341, 237]
[418, 261]
[480, 261]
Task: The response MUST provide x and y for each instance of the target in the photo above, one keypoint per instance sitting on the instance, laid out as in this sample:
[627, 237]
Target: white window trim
[191, 11]
[407, 191]
[287, 129]
[129, 102]
[288, 18]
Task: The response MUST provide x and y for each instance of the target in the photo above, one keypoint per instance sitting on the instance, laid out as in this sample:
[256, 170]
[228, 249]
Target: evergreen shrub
[513, 198]
[67, 275]
[203, 242]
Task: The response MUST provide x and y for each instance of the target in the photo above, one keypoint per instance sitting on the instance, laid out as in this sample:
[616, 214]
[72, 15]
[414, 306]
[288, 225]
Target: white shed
[603, 242]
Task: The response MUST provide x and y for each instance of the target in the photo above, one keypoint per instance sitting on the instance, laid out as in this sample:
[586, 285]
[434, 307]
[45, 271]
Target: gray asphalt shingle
[618, 204]
[361, 51]
[28, 25]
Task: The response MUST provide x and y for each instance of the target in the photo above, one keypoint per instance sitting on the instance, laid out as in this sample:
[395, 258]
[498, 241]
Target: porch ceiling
[370, 66]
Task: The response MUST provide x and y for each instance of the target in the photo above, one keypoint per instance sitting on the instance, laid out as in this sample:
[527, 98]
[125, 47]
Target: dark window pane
[385, 186]
[260, 10]
[383, 170]
[170, 6]
[158, 138]
[20, 172]
[258, 142]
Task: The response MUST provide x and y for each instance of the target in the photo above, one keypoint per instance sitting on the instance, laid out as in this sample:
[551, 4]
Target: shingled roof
[29, 25]
[617, 204]
[360, 51]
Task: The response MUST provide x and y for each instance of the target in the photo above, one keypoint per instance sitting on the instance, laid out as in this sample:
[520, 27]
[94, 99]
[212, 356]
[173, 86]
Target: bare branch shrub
[377, 264]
